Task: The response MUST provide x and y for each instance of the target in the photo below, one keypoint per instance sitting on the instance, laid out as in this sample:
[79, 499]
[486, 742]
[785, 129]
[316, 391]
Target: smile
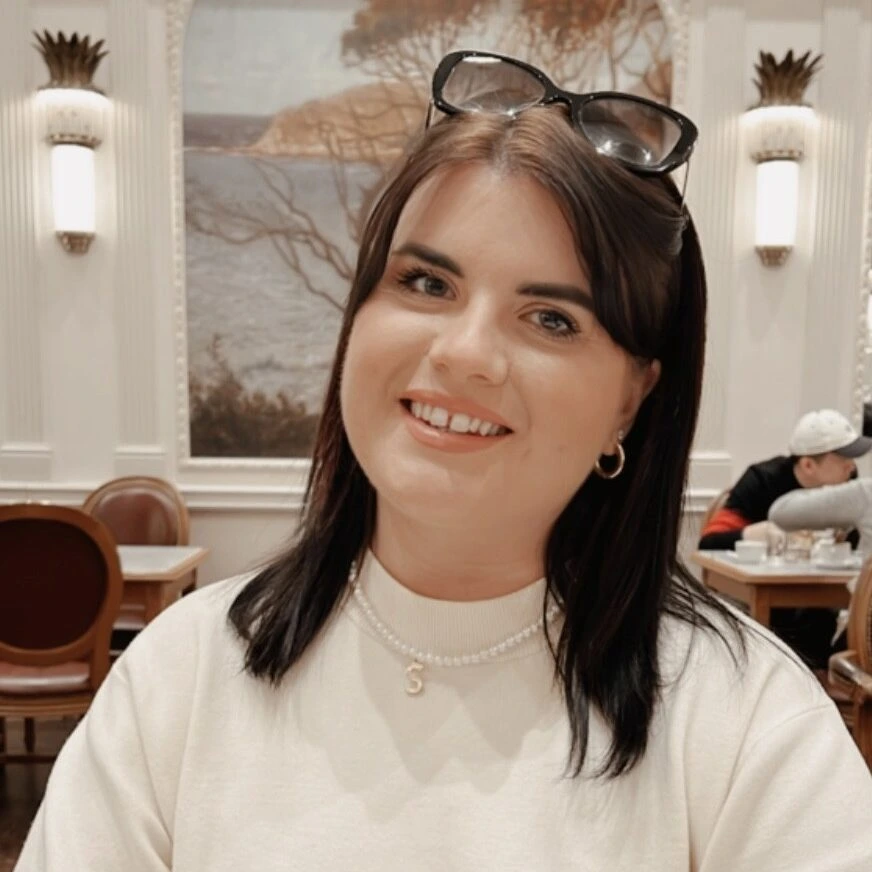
[459, 422]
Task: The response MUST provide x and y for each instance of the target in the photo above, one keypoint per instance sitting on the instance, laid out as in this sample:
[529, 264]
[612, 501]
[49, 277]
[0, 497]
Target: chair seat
[71, 677]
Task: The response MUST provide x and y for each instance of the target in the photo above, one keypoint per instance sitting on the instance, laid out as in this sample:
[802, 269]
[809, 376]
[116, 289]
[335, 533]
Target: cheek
[353, 386]
[579, 415]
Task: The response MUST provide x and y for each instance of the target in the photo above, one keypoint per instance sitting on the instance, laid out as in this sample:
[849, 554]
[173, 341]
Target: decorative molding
[178, 12]
[25, 461]
[862, 338]
[199, 498]
[714, 169]
[229, 498]
[140, 460]
[836, 276]
[710, 472]
[135, 297]
[21, 368]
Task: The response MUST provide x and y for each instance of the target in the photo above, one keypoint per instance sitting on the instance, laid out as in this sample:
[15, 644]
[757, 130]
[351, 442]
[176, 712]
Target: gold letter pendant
[414, 683]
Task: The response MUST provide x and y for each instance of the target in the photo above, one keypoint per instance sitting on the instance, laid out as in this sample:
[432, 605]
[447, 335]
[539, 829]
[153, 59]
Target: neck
[463, 564]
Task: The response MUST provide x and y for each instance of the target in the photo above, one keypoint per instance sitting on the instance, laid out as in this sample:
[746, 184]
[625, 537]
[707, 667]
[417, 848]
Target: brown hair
[646, 277]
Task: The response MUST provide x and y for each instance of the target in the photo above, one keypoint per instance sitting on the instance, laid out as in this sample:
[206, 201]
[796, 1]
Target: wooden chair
[850, 671]
[141, 510]
[60, 591]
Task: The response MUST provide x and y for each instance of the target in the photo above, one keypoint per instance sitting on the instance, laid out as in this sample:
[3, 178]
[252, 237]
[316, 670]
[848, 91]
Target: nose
[468, 346]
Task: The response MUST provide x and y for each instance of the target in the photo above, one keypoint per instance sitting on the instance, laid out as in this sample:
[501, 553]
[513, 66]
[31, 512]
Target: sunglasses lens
[631, 132]
[485, 84]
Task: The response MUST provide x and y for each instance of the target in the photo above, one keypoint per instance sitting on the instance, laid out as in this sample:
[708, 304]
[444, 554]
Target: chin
[427, 492]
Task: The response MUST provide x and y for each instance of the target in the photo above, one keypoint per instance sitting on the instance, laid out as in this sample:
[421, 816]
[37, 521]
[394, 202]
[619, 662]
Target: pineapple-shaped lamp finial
[71, 62]
[783, 83]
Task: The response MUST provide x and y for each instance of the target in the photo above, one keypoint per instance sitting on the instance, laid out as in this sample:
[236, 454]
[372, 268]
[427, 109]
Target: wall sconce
[74, 111]
[777, 128]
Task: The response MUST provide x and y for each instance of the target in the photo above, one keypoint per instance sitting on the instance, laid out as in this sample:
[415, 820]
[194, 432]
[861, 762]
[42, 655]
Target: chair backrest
[717, 503]
[60, 587]
[141, 510]
[860, 618]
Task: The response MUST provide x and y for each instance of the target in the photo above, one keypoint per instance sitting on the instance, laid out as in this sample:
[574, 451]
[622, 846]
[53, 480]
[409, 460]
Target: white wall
[92, 370]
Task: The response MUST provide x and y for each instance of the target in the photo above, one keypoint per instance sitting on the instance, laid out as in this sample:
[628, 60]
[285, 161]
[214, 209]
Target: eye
[420, 281]
[555, 323]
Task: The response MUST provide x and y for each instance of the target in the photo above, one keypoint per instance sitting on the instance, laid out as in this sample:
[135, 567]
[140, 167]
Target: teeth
[439, 417]
[457, 423]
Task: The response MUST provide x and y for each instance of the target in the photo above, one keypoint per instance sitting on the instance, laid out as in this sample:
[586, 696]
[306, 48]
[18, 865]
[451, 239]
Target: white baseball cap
[824, 431]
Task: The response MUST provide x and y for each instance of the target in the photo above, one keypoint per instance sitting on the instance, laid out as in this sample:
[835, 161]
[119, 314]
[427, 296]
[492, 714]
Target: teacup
[750, 552]
[833, 552]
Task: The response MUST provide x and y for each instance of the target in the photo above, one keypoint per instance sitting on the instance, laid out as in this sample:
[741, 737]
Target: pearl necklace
[420, 659]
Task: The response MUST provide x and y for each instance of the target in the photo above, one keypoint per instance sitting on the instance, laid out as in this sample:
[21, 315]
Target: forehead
[473, 212]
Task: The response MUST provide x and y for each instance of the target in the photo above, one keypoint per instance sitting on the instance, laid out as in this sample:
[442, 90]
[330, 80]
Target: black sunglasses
[645, 137]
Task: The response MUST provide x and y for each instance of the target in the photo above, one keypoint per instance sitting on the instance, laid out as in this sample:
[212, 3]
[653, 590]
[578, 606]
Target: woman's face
[478, 386]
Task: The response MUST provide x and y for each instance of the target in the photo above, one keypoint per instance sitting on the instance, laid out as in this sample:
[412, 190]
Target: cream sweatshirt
[186, 763]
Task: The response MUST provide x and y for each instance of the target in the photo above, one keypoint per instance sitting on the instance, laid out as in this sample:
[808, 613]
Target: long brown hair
[646, 277]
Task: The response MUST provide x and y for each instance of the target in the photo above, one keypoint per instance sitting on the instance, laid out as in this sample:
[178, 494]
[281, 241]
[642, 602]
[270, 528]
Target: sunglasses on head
[641, 135]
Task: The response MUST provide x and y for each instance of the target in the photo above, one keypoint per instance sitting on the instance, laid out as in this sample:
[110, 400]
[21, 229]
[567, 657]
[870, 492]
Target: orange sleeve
[725, 521]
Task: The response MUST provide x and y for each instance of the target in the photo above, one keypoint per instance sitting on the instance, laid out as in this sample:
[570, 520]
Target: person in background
[822, 452]
[823, 448]
[845, 506]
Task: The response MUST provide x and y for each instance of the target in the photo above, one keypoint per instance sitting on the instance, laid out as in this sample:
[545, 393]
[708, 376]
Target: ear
[642, 380]
[806, 465]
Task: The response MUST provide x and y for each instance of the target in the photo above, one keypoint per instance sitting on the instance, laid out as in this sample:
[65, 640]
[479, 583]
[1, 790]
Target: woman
[481, 651]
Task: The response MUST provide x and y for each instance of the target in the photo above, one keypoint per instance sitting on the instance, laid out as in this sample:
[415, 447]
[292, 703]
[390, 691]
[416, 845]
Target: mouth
[443, 421]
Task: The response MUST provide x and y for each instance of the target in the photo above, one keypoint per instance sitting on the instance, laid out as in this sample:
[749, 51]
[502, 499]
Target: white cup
[833, 552]
[750, 552]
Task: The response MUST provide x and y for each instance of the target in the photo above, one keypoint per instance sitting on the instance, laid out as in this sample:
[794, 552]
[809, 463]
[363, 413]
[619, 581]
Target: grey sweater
[840, 505]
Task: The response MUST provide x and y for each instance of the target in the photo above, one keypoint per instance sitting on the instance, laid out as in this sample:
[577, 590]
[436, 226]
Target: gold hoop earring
[619, 467]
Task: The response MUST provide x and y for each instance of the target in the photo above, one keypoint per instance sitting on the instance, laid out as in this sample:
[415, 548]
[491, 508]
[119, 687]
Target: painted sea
[273, 297]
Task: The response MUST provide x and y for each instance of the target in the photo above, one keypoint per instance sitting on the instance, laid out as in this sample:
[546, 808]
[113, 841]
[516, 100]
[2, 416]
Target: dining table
[776, 583]
[156, 575]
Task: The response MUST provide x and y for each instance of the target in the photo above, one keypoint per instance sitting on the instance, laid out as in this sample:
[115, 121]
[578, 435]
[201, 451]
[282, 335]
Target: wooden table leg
[153, 601]
[760, 605]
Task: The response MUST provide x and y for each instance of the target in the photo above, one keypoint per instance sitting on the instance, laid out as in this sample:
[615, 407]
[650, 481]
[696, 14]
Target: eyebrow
[542, 290]
[430, 256]
[564, 293]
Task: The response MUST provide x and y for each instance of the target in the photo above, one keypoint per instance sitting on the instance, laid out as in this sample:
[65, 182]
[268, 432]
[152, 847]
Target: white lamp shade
[73, 115]
[777, 203]
[73, 188]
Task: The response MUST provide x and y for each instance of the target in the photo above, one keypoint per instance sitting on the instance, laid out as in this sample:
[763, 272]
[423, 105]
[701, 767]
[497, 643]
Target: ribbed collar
[447, 627]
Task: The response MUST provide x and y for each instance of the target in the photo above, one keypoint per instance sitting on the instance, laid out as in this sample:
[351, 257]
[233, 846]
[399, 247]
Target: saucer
[849, 564]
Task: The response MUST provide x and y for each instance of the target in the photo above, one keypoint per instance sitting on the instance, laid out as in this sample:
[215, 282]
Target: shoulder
[733, 687]
[774, 466]
[757, 473]
[758, 749]
[191, 635]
